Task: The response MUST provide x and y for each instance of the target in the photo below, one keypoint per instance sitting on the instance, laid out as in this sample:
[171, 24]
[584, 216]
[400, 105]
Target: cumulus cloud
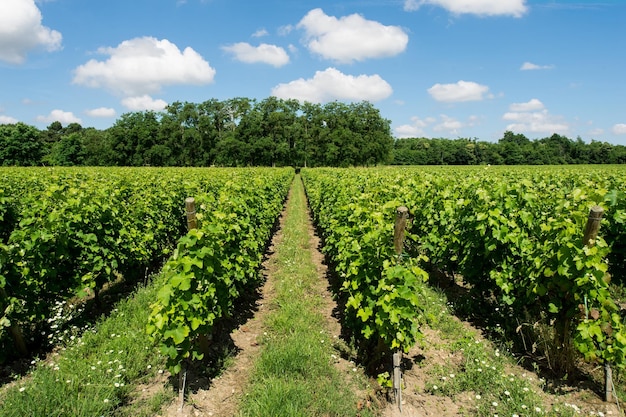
[619, 129]
[332, 84]
[21, 31]
[64, 117]
[449, 125]
[7, 120]
[260, 33]
[285, 30]
[461, 91]
[529, 66]
[417, 127]
[143, 66]
[515, 8]
[532, 105]
[444, 124]
[101, 112]
[264, 53]
[533, 117]
[350, 38]
[144, 102]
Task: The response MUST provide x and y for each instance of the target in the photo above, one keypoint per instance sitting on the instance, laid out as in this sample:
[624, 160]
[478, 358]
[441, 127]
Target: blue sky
[435, 68]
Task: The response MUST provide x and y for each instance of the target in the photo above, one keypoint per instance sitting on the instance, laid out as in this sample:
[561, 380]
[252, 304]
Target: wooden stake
[190, 204]
[593, 226]
[591, 233]
[608, 382]
[182, 381]
[402, 214]
[397, 379]
[192, 223]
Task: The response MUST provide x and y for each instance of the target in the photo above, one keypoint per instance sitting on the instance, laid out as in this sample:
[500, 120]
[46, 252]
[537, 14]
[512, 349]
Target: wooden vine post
[190, 205]
[402, 215]
[192, 223]
[589, 240]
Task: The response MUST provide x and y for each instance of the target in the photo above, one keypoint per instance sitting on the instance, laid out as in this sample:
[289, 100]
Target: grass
[295, 374]
[482, 371]
[95, 373]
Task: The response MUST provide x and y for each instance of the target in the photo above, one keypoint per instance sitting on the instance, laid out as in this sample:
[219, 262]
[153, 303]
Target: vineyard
[512, 240]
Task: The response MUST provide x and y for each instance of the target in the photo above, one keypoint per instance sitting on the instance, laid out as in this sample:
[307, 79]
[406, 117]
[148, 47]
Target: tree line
[276, 132]
[511, 149]
[234, 132]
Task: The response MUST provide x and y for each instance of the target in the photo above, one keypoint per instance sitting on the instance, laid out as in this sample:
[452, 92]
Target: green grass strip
[295, 373]
[98, 373]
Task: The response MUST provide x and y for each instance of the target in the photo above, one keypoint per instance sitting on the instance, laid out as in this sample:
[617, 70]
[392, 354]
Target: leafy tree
[97, 148]
[20, 145]
[132, 136]
[68, 151]
[232, 152]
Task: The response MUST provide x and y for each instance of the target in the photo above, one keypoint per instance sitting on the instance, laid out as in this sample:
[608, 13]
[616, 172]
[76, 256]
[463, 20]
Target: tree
[68, 151]
[132, 136]
[513, 148]
[97, 148]
[20, 145]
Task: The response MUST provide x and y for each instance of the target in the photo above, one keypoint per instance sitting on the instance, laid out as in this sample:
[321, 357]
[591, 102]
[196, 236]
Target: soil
[219, 395]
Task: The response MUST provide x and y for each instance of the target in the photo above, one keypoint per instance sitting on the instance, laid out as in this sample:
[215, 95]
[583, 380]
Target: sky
[434, 68]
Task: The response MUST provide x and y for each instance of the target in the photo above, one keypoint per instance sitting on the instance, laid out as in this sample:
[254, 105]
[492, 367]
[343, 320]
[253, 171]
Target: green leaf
[177, 334]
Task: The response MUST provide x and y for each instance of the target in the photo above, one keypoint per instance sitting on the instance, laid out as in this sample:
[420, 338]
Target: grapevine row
[380, 291]
[68, 232]
[515, 237]
[215, 264]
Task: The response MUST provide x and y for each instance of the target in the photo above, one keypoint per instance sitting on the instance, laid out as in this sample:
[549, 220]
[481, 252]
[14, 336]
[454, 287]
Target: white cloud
[143, 66]
[534, 118]
[285, 30]
[144, 102]
[529, 66]
[448, 125]
[21, 31]
[351, 38]
[260, 33]
[619, 129]
[7, 120]
[264, 53]
[101, 112]
[64, 117]
[415, 129]
[515, 8]
[408, 131]
[332, 84]
[532, 105]
[461, 91]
